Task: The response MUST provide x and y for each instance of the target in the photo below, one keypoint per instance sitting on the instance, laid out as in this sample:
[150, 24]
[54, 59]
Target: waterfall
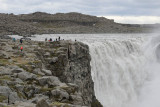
[122, 70]
[125, 67]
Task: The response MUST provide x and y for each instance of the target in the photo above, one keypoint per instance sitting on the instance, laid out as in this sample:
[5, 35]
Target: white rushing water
[124, 67]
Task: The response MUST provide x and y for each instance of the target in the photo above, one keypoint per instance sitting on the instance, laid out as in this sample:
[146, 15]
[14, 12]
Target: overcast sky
[123, 11]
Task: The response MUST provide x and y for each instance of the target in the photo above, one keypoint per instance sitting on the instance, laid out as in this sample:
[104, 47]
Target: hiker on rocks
[14, 39]
[21, 48]
[45, 39]
[21, 41]
[59, 38]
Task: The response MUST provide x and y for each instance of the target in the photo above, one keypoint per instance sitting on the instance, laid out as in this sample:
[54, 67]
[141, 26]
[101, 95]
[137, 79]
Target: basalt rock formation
[53, 74]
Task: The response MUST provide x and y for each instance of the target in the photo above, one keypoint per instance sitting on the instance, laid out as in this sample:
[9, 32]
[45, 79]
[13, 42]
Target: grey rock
[53, 60]
[61, 93]
[4, 55]
[50, 80]
[13, 97]
[38, 97]
[7, 92]
[38, 71]
[19, 87]
[4, 71]
[54, 81]
[23, 104]
[47, 54]
[42, 103]
[4, 90]
[19, 81]
[47, 72]
[17, 70]
[26, 75]
[77, 99]
[43, 80]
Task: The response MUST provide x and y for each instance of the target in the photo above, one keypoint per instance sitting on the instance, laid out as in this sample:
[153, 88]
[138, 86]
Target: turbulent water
[125, 68]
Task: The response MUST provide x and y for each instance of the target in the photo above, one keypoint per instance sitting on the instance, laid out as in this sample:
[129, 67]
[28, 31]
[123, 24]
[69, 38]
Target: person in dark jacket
[21, 41]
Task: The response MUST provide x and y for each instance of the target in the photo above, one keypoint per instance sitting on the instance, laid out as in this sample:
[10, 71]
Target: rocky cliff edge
[45, 74]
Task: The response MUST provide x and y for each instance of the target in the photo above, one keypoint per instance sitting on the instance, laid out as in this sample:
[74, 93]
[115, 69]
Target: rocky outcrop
[54, 73]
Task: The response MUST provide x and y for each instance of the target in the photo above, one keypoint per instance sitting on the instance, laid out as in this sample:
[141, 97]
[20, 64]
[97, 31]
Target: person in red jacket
[21, 48]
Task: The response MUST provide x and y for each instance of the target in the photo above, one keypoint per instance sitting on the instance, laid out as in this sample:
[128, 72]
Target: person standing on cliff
[21, 48]
[59, 38]
[21, 41]
[14, 39]
[46, 39]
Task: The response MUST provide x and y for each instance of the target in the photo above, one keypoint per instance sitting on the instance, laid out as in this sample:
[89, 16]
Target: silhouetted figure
[50, 40]
[75, 40]
[45, 39]
[56, 39]
[21, 41]
[59, 38]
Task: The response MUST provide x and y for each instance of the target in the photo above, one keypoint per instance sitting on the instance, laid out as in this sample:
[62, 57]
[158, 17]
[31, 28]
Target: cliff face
[56, 72]
[44, 23]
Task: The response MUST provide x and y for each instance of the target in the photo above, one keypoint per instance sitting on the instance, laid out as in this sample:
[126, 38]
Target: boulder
[38, 71]
[50, 80]
[26, 76]
[38, 97]
[60, 94]
[10, 96]
[4, 55]
[17, 70]
[47, 72]
[53, 60]
[42, 103]
[23, 104]
[4, 71]
[43, 80]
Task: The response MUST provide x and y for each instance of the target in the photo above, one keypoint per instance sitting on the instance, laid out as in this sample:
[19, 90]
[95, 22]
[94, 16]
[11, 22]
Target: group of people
[21, 41]
[50, 40]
